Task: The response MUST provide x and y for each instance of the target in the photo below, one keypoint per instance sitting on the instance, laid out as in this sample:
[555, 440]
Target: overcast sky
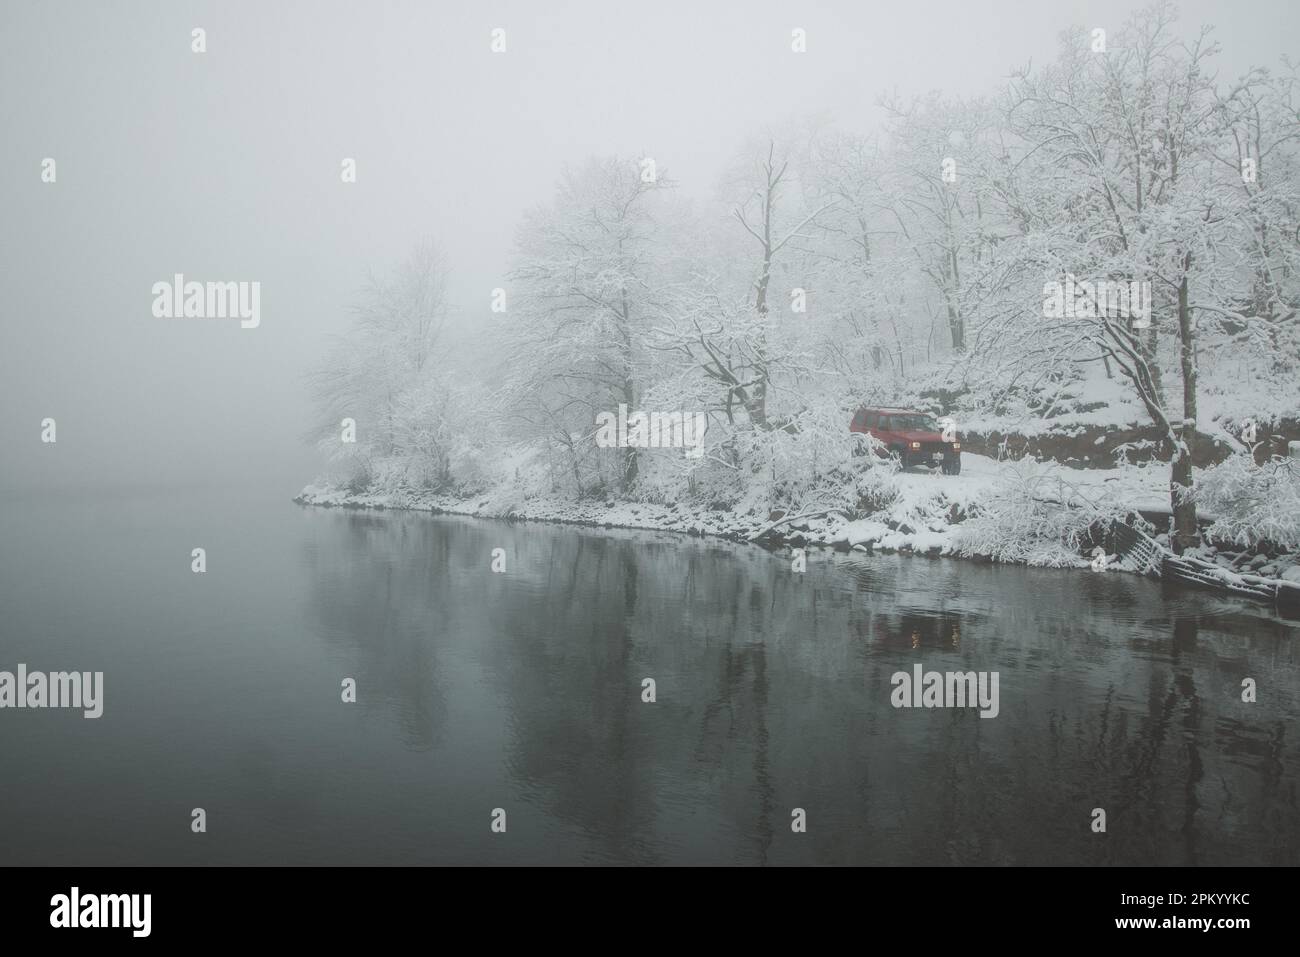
[225, 166]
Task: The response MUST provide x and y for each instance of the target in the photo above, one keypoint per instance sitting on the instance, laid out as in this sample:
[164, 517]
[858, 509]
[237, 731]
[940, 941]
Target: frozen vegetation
[912, 268]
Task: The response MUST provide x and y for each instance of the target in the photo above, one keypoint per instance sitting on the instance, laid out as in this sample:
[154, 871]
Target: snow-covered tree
[397, 321]
[585, 286]
[1126, 183]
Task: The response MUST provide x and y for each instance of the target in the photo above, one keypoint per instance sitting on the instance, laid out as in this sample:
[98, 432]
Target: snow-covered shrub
[352, 473]
[1252, 504]
[444, 436]
[811, 461]
[876, 489]
[1033, 518]
[523, 477]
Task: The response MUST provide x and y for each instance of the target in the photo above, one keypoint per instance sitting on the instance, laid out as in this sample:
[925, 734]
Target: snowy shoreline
[632, 516]
[921, 514]
[923, 521]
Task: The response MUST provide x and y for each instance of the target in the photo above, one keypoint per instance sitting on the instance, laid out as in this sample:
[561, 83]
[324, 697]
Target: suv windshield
[909, 423]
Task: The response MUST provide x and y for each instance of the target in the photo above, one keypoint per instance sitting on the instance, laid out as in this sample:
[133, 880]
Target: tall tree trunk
[956, 324]
[1186, 531]
[758, 406]
[631, 464]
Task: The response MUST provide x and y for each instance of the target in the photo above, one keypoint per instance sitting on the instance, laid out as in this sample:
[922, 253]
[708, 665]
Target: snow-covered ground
[919, 518]
[1144, 488]
[922, 518]
[1019, 511]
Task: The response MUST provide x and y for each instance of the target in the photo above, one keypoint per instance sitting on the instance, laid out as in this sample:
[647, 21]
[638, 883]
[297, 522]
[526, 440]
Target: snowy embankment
[689, 519]
[930, 511]
[914, 510]
[1022, 512]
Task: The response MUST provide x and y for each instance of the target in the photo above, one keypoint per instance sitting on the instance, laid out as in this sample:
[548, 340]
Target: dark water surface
[523, 691]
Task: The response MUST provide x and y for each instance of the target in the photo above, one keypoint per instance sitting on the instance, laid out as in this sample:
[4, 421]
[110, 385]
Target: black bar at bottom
[944, 906]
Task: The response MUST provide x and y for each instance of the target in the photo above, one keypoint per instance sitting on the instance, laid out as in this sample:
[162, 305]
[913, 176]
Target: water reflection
[380, 589]
[773, 693]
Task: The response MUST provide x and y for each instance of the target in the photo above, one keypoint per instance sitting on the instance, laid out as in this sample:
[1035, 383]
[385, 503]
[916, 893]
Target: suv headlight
[956, 446]
[916, 445]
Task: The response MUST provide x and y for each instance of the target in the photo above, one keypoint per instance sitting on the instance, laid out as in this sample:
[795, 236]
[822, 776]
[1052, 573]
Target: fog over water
[225, 166]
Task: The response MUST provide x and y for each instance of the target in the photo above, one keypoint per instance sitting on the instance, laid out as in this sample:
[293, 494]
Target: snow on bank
[692, 519]
[914, 510]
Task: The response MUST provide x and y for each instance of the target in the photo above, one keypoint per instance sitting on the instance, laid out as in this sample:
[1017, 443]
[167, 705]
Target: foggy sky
[225, 166]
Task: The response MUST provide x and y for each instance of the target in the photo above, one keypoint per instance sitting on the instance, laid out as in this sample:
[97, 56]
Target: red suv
[913, 436]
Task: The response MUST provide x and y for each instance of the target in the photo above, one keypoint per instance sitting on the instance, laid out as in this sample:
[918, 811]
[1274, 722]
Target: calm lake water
[522, 691]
